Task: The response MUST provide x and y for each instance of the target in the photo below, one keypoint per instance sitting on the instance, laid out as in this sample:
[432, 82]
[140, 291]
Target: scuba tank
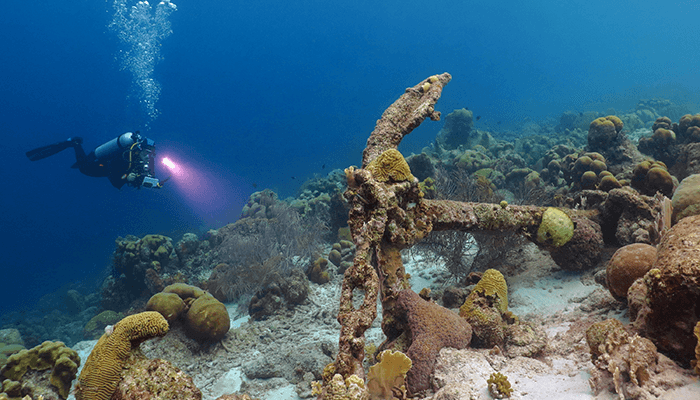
[116, 145]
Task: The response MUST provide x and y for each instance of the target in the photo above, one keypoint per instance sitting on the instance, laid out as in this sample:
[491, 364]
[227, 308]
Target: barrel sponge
[628, 264]
[390, 165]
[686, 198]
[556, 228]
[169, 305]
[208, 318]
[101, 373]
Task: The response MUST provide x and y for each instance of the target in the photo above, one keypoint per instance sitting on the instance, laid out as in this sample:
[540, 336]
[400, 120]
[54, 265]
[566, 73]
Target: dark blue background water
[264, 93]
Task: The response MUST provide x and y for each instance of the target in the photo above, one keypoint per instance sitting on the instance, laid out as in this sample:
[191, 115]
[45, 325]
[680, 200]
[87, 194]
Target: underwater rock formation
[457, 129]
[670, 311]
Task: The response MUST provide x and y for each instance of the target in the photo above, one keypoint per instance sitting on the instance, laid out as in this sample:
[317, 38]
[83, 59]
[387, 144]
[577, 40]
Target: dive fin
[47, 151]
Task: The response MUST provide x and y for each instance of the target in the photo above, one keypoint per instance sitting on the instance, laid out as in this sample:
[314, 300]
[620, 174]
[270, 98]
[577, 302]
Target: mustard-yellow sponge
[390, 165]
[101, 373]
[388, 375]
[556, 228]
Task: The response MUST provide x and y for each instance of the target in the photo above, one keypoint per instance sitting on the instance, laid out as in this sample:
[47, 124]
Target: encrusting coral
[63, 362]
[101, 373]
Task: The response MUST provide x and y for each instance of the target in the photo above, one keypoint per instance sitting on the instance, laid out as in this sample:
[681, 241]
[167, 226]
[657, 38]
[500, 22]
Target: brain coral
[390, 165]
[484, 309]
[628, 264]
[101, 373]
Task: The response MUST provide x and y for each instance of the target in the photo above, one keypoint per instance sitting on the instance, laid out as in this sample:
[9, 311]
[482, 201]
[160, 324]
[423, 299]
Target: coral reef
[102, 371]
[318, 271]
[485, 309]
[62, 361]
[139, 265]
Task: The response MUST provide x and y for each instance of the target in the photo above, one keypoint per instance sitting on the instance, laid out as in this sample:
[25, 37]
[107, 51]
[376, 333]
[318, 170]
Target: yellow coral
[390, 165]
[388, 375]
[499, 387]
[492, 284]
[100, 375]
[62, 360]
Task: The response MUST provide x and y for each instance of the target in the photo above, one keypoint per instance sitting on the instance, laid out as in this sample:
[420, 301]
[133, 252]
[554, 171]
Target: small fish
[478, 117]
[323, 166]
[294, 177]
[255, 185]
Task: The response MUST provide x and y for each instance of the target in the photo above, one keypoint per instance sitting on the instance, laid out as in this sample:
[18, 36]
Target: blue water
[263, 94]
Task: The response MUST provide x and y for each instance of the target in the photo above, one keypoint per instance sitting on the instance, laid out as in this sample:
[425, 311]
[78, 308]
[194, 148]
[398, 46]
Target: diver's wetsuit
[113, 168]
[126, 160]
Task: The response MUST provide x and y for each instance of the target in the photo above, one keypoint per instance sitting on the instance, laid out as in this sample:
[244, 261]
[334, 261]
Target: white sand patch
[558, 292]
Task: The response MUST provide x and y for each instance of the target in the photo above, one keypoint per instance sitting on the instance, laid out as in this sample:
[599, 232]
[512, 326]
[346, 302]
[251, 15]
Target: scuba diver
[125, 160]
